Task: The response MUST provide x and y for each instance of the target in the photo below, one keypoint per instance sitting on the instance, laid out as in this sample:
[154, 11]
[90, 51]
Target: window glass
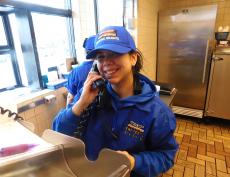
[2, 33]
[50, 3]
[18, 49]
[110, 12]
[6, 69]
[51, 39]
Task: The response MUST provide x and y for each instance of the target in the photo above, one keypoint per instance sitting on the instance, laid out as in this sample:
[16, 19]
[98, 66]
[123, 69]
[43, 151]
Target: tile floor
[204, 149]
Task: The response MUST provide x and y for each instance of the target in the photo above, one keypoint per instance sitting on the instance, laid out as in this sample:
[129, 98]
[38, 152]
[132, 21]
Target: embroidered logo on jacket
[135, 130]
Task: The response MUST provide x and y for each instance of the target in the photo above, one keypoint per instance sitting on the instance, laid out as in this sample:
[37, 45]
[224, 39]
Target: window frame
[29, 8]
[9, 49]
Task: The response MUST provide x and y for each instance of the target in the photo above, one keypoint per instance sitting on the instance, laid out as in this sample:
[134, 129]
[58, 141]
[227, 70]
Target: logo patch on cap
[108, 34]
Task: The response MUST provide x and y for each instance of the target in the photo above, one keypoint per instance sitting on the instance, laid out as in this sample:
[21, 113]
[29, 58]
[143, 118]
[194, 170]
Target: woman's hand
[88, 94]
[130, 157]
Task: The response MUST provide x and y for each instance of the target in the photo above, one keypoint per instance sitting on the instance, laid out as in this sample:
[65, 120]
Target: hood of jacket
[140, 100]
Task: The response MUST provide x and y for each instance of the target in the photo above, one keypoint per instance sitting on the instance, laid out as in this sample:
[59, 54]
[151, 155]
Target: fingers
[130, 157]
[123, 152]
[88, 94]
[92, 76]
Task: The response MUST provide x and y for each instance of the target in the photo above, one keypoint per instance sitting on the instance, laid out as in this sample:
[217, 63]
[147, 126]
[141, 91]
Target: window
[52, 41]
[6, 67]
[7, 59]
[32, 39]
[109, 12]
[2, 34]
[116, 13]
[18, 49]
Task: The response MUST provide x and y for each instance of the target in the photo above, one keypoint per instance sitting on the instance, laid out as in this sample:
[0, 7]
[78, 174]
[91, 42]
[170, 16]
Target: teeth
[111, 72]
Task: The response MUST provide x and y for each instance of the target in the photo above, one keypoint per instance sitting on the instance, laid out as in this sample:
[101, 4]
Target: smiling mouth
[110, 73]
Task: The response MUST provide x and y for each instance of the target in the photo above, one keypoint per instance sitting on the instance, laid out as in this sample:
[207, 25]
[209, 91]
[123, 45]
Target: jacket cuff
[138, 162]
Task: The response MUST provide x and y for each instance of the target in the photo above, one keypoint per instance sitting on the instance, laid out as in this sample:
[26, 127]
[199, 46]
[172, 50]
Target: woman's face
[116, 68]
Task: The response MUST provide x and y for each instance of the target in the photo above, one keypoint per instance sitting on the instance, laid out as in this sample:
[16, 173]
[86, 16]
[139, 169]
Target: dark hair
[137, 86]
[87, 51]
[139, 64]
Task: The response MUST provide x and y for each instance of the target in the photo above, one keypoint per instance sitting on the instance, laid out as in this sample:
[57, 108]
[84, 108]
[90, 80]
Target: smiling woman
[126, 115]
[117, 69]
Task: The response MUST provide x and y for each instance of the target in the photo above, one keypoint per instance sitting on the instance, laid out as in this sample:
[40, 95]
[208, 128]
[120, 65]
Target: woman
[130, 117]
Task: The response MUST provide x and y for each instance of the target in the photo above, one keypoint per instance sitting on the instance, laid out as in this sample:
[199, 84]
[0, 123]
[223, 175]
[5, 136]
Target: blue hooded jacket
[78, 76]
[142, 124]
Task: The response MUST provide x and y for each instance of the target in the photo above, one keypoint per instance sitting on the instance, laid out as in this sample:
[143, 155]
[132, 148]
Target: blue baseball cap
[89, 43]
[113, 38]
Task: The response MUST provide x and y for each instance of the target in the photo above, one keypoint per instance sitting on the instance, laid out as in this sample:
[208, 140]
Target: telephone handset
[97, 103]
[100, 83]
[102, 101]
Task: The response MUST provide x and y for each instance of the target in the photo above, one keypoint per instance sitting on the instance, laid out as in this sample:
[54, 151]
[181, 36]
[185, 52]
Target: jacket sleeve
[65, 122]
[74, 83]
[161, 145]
[70, 83]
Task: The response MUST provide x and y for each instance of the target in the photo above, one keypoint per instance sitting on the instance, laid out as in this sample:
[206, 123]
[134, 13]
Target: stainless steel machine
[66, 158]
[219, 85]
[184, 55]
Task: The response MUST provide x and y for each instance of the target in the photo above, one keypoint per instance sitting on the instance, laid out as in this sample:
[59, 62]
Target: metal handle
[46, 100]
[205, 62]
[215, 58]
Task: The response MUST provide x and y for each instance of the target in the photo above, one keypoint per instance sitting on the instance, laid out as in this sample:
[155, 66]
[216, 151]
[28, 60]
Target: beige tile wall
[147, 34]
[42, 115]
[223, 11]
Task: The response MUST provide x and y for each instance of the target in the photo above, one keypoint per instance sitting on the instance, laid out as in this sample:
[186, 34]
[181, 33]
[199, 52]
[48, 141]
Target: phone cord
[85, 116]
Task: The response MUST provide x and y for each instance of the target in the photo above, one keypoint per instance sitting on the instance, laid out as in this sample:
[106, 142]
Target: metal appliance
[184, 55]
[219, 85]
[64, 158]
